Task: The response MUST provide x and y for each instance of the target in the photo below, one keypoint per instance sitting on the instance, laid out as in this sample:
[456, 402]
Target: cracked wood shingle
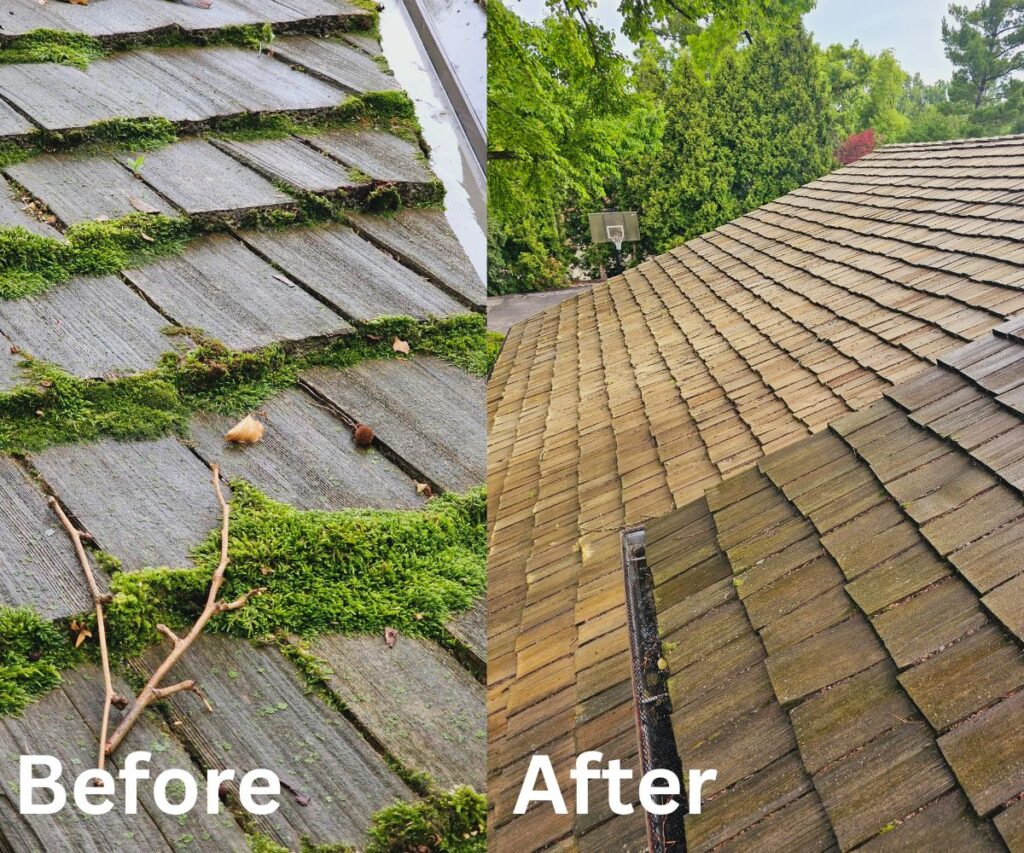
[424, 240]
[224, 289]
[65, 724]
[200, 179]
[265, 717]
[78, 188]
[39, 567]
[360, 280]
[13, 214]
[292, 162]
[424, 409]
[352, 70]
[180, 84]
[89, 326]
[414, 698]
[148, 503]
[380, 155]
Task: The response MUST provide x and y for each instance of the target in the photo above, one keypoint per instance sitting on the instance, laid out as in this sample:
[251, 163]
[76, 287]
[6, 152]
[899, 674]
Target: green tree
[710, 28]
[984, 44]
[867, 91]
[562, 117]
[761, 127]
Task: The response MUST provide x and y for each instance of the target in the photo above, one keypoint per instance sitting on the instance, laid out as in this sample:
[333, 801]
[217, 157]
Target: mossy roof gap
[78, 48]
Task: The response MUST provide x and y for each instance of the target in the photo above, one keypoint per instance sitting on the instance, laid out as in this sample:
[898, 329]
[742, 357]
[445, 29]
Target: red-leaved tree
[856, 145]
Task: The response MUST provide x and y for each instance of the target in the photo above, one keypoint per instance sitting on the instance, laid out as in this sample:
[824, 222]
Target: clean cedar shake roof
[632, 400]
[843, 623]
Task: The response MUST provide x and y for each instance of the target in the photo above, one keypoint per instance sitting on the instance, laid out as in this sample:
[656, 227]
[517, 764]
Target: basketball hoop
[615, 227]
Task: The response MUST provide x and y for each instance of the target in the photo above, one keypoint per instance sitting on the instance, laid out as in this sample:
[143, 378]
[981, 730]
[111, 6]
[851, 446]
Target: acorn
[246, 431]
[363, 435]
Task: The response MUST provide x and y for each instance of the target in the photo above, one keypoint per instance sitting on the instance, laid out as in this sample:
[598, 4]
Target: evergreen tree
[760, 128]
[984, 44]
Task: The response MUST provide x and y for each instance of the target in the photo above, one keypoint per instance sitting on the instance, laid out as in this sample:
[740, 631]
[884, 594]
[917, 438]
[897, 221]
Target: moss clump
[449, 822]
[393, 111]
[348, 571]
[44, 45]
[54, 407]
[61, 409]
[384, 199]
[259, 843]
[125, 134]
[33, 651]
[31, 263]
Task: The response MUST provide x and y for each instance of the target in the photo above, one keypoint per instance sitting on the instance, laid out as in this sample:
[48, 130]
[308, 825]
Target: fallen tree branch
[98, 599]
[153, 692]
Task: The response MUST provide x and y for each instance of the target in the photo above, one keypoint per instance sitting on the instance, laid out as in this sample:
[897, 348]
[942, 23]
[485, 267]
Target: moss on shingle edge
[54, 407]
[392, 111]
[79, 49]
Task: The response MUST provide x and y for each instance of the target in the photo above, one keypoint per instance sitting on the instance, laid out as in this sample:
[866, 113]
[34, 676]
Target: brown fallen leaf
[142, 205]
[79, 2]
[400, 346]
[246, 431]
[390, 635]
[81, 631]
[362, 435]
[46, 383]
[424, 489]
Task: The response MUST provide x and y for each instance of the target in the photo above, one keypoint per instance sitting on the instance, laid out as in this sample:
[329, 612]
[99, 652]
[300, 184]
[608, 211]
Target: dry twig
[98, 599]
[153, 692]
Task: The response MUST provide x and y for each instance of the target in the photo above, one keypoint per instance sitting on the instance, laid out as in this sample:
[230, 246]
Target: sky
[912, 28]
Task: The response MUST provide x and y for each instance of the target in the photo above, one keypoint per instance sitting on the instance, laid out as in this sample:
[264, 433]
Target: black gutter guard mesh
[651, 701]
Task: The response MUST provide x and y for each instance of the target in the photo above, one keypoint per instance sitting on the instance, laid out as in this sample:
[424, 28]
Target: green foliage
[54, 407]
[348, 571]
[710, 29]
[868, 91]
[561, 120]
[43, 45]
[259, 843]
[984, 43]
[31, 263]
[449, 822]
[758, 129]
[33, 651]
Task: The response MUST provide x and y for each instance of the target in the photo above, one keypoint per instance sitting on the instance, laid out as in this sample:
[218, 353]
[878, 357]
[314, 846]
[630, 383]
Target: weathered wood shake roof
[843, 624]
[625, 403]
[415, 706]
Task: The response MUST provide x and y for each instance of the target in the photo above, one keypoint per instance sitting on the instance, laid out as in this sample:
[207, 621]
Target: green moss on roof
[350, 571]
[33, 651]
[392, 111]
[79, 49]
[443, 822]
[31, 263]
[45, 45]
[54, 407]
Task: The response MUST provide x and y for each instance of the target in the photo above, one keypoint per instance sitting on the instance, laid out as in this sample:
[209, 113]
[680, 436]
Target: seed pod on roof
[363, 435]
